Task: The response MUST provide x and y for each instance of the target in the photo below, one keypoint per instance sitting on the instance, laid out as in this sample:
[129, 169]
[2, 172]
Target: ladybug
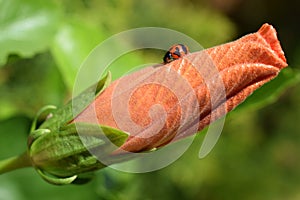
[175, 52]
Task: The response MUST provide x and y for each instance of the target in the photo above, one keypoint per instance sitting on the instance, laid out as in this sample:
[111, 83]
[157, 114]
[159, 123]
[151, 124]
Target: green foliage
[27, 27]
[29, 84]
[72, 44]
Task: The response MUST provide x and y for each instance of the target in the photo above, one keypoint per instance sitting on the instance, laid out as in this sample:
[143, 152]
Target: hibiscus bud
[153, 107]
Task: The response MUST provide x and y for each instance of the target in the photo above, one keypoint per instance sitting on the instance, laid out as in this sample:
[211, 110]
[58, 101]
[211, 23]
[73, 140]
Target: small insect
[176, 51]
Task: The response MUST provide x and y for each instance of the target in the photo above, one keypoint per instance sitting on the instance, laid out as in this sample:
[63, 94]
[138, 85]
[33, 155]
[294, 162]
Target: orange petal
[158, 104]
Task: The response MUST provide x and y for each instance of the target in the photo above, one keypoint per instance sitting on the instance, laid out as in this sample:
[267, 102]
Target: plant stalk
[14, 163]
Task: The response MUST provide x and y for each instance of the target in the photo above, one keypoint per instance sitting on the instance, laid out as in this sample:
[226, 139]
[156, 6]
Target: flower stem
[15, 162]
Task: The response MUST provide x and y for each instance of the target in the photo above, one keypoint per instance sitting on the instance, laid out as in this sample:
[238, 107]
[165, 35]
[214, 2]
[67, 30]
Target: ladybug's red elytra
[176, 51]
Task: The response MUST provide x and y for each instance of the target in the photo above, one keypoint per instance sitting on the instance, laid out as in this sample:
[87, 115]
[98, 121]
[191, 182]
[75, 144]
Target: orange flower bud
[159, 104]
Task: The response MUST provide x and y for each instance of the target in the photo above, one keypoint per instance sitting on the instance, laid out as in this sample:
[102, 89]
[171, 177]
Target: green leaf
[73, 43]
[29, 84]
[271, 91]
[26, 27]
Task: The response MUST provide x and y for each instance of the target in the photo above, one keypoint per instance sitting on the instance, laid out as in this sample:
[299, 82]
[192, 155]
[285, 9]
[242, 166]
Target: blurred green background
[43, 43]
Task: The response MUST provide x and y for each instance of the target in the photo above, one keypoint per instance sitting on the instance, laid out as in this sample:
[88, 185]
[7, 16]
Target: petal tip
[269, 33]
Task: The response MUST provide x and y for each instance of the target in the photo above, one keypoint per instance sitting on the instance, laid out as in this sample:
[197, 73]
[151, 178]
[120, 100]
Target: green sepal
[36, 134]
[64, 115]
[45, 110]
[65, 152]
[116, 136]
[73, 150]
[56, 180]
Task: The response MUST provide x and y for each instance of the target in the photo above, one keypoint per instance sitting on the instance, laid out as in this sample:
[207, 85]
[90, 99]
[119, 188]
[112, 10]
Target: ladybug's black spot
[184, 49]
[177, 51]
